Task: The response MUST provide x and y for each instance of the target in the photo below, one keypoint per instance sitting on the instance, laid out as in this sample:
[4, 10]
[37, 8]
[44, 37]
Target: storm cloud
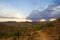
[52, 11]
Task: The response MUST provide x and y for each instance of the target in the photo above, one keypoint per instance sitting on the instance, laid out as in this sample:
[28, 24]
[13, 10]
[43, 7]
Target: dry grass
[30, 31]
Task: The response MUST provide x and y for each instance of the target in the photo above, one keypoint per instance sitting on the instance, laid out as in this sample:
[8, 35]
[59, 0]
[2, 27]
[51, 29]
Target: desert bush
[18, 33]
[30, 38]
[40, 27]
[1, 34]
[58, 19]
[37, 27]
[49, 24]
[59, 38]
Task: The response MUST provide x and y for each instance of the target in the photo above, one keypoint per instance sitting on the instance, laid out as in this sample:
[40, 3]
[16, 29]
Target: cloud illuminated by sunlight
[14, 20]
[8, 11]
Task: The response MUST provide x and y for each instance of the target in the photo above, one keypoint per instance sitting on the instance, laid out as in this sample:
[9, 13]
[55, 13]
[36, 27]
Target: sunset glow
[42, 20]
[11, 19]
[53, 19]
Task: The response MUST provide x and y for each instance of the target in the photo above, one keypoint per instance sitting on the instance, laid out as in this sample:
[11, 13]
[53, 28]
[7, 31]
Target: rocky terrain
[30, 30]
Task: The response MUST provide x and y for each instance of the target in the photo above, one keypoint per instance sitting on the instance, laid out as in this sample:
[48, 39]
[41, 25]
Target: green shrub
[17, 34]
[40, 27]
[1, 34]
[49, 24]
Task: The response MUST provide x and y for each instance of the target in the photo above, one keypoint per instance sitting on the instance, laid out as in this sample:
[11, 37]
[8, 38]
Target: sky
[22, 8]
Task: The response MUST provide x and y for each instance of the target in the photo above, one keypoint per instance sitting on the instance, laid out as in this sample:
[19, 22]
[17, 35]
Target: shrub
[58, 20]
[1, 34]
[40, 27]
[59, 38]
[49, 24]
[17, 34]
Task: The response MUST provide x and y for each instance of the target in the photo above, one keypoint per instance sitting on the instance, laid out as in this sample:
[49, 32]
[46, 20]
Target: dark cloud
[48, 13]
[57, 1]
